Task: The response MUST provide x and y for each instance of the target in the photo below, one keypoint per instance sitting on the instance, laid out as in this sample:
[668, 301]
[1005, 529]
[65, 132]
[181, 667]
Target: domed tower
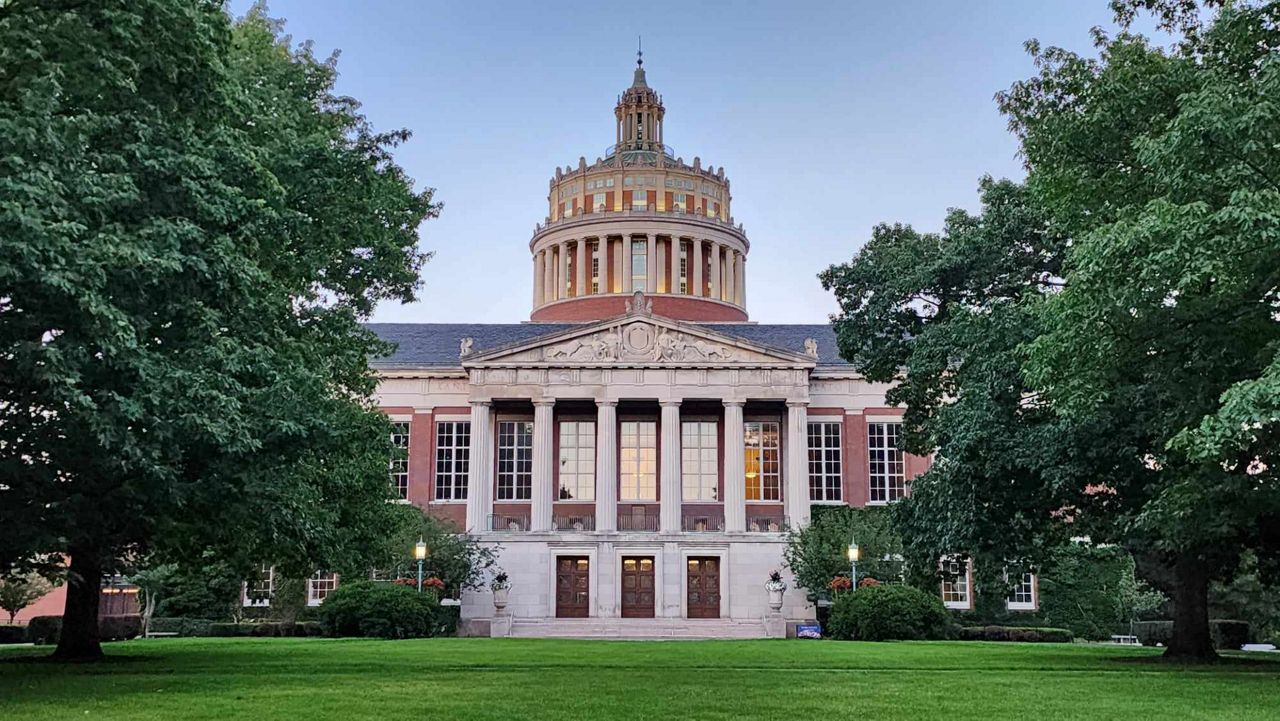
[639, 218]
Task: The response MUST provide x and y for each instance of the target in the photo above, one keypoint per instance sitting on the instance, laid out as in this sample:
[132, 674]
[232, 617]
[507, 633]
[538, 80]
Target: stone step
[636, 628]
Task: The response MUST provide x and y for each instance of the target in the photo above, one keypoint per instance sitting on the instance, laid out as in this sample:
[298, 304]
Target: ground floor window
[698, 460]
[825, 474]
[577, 460]
[453, 457]
[319, 586]
[762, 463]
[259, 588]
[515, 460]
[639, 464]
[955, 583]
[1022, 597]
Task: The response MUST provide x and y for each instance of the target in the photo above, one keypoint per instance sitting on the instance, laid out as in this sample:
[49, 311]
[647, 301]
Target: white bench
[161, 634]
[1123, 639]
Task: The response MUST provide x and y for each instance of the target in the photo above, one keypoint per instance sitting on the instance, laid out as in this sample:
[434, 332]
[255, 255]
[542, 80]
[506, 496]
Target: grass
[464, 679]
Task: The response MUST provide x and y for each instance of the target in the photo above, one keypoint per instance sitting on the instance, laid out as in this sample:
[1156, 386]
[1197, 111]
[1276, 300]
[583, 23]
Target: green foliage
[1021, 634]
[195, 227]
[1153, 633]
[18, 591]
[210, 589]
[267, 629]
[1229, 634]
[452, 556]
[382, 610]
[883, 613]
[818, 552]
[1249, 597]
[13, 634]
[181, 626]
[1092, 591]
[44, 630]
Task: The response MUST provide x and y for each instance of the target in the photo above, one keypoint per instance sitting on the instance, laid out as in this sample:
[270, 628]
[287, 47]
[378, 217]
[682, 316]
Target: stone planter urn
[500, 598]
[775, 598]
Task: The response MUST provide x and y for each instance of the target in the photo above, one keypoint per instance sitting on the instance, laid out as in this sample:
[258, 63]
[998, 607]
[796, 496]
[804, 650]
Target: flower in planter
[840, 583]
[433, 583]
[775, 582]
[868, 581]
[499, 582]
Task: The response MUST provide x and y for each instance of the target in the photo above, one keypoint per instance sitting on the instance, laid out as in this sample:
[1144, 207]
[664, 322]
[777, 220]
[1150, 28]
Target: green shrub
[1229, 634]
[186, 627]
[1022, 634]
[13, 634]
[882, 613]
[382, 611]
[1153, 633]
[44, 630]
[119, 628]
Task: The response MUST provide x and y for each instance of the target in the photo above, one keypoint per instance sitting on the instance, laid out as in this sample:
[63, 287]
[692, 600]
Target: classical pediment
[637, 339]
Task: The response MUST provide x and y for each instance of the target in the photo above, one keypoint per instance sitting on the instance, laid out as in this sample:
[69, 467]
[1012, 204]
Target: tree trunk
[1191, 639]
[79, 640]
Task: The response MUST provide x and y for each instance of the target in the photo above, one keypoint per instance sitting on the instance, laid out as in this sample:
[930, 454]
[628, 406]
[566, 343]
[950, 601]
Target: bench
[1124, 639]
[161, 634]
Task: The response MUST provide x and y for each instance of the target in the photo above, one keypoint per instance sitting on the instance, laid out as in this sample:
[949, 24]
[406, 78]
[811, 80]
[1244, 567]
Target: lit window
[698, 466]
[1022, 597]
[825, 473]
[453, 455]
[598, 201]
[639, 198]
[684, 268]
[955, 583]
[595, 268]
[259, 589]
[577, 460]
[319, 586]
[639, 265]
[887, 473]
[761, 461]
[400, 458]
[515, 460]
[680, 202]
[639, 461]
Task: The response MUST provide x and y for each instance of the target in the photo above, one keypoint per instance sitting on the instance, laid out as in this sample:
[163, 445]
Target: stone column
[795, 498]
[742, 280]
[562, 279]
[543, 464]
[735, 490]
[661, 275]
[618, 259]
[729, 266]
[548, 274]
[697, 267]
[480, 468]
[606, 465]
[669, 468]
[537, 279]
[580, 287]
[715, 269]
[626, 264]
[651, 264]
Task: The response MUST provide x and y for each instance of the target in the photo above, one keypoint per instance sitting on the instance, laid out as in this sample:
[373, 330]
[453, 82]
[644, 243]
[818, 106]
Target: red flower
[840, 583]
[433, 582]
[868, 581]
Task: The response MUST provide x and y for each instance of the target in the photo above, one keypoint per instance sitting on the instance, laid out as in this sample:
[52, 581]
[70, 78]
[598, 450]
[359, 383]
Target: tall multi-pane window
[684, 268]
[955, 583]
[698, 471]
[577, 460]
[453, 456]
[639, 264]
[515, 460]
[679, 202]
[761, 461]
[887, 471]
[639, 199]
[1022, 597]
[400, 458]
[825, 474]
[639, 462]
[597, 201]
[259, 589]
[320, 586]
[595, 268]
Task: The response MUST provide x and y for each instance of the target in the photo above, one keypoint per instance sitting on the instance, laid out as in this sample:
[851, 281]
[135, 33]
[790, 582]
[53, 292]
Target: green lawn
[463, 679]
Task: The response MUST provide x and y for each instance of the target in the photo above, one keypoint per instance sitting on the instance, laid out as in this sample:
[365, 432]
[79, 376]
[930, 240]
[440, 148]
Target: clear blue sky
[828, 117]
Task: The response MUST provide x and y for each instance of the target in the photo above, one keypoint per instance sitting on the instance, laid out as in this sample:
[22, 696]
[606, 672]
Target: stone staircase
[637, 628]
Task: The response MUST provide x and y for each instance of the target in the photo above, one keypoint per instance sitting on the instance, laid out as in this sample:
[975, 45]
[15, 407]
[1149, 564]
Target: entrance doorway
[638, 581]
[703, 599]
[573, 587]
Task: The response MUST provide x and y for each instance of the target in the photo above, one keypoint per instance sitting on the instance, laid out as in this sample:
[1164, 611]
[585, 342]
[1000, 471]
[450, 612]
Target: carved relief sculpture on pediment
[638, 341]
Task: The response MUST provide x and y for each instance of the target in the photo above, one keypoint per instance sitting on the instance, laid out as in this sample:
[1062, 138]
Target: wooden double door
[703, 584]
[573, 587]
[638, 583]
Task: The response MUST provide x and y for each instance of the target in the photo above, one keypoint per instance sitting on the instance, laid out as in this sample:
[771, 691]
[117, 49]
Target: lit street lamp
[420, 553]
[854, 554]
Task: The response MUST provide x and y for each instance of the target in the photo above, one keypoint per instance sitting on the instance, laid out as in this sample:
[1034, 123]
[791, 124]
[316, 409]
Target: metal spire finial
[639, 51]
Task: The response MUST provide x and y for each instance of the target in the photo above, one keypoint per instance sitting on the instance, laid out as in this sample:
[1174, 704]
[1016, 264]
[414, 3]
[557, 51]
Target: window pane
[886, 467]
[577, 460]
[698, 461]
[400, 458]
[639, 461]
[825, 468]
[453, 454]
[515, 460]
[761, 461]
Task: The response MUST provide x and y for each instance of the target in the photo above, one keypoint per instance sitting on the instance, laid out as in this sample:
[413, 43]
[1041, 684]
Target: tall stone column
[548, 274]
[543, 464]
[715, 269]
[697, 267]
[619, 258]
[795, 499]
[651, 263]
[742, 280]
[730, 265]
[562, 282]
[669, 467]
[661, 275]
[480, 467]
[735, 489]
[537, 279]
[606, 465]
[580, 287]
[626, 264]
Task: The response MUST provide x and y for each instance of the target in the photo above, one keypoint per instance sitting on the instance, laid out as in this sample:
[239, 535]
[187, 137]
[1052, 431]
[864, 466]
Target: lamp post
[420, 553]
[854, 554]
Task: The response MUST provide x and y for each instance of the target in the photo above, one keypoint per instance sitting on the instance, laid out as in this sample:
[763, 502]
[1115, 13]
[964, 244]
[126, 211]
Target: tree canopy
[195, 226]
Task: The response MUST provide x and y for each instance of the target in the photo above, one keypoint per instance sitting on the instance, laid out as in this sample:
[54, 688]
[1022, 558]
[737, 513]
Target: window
[639, 198]
[515, 460]
[698, 463]
[609, 183]
[259, 589]
[761, 461]
[597, 200]
[888, 478]
[669, 183]
[595, 268]
[319, 586]
[639, 265]
[453, 456]
[1022, 597]
[680, 202]
[627, 181]
[577, 460]
[400, 458]
[824, 462]
[684, 268]
[639, 461]
[955, 583]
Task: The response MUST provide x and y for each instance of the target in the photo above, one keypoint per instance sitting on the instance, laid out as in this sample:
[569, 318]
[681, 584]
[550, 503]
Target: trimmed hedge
[382, 610]
[883, 613]
[1227, 633]
[44, 630]
[275, 629]
[181, 626]
[1022, 634]
[13, 634]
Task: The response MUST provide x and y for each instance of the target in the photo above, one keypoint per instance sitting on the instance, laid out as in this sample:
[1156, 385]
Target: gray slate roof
[436, 345]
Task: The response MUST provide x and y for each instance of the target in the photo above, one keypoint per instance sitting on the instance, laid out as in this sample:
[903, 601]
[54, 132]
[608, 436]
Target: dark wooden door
[704, 587]
[573, 587]
[637, 587]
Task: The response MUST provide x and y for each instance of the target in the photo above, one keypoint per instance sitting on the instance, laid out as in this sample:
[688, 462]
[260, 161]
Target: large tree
[195, 226]
[1139, 400]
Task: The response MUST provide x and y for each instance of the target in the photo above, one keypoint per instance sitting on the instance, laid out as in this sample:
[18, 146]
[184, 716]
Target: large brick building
[639, 448]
